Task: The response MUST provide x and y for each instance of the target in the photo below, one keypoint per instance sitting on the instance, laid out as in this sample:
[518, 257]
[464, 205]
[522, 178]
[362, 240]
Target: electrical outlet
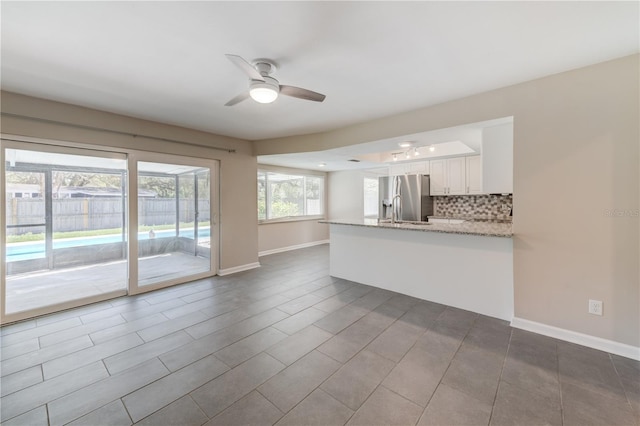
[595, 307]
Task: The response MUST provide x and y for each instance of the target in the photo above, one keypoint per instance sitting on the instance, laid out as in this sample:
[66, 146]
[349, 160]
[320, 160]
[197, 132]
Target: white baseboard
[233, 270]
[610, 346]
[289, 248]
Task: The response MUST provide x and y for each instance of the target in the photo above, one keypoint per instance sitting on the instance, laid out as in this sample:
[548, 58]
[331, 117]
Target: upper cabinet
[399, 169]
[456, 176]
[497, 159]
[456, 172]
[417, 167]
[448, 176]
[474, 174]
[438, 177]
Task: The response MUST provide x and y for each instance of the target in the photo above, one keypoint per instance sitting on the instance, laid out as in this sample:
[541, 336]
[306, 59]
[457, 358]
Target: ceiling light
[265, 91]
[322, 164]
[406, 154]
[415, 152]
[432, 148]
[395, 157]
[405, 144]
[263, 95]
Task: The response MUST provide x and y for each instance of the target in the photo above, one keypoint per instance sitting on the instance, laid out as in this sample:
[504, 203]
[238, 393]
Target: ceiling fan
[265, 89]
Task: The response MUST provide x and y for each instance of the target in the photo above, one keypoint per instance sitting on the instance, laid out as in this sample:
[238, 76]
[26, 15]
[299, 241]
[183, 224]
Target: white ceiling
[164, 61]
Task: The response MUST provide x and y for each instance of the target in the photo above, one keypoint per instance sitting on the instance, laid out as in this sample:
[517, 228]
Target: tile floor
[287, 344]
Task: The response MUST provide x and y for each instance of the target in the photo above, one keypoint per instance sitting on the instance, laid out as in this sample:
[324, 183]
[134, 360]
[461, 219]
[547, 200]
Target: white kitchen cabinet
[419, 167]
[399, 169]
[457, 176]
[497, 159]
[438, 181]
[474, 174]
[448, 176]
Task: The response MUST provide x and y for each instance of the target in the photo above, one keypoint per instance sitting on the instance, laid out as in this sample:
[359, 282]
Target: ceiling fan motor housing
[265, 66]
[269, 83]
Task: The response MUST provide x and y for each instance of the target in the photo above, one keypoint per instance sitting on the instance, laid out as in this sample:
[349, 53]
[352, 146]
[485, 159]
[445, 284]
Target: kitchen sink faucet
[394, 213]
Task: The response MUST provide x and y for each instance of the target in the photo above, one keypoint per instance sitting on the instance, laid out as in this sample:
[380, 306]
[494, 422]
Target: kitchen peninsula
[468, 265]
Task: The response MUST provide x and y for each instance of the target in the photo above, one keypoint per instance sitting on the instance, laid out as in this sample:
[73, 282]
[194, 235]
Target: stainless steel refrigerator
[415, 201]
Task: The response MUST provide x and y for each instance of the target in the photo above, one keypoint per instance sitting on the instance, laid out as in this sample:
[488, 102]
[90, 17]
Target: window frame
[299, 173]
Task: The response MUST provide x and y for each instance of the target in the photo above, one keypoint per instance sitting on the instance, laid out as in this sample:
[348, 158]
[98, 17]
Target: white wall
[497, 159]
[346, 193]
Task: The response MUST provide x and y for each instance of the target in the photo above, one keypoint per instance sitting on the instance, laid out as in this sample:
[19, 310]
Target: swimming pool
[36, 249]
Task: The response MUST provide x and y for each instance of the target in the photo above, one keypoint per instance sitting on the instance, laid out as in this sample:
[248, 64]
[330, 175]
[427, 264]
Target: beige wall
[283, 235]
[238, 222]
[576, 156]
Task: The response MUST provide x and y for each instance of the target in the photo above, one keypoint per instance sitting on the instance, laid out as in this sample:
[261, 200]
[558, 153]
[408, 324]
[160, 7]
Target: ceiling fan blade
[298, 92]
[245, 66]
[241, 97]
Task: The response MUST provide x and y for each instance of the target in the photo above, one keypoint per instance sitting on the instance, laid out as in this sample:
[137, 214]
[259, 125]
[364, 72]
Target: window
[283, 196]
[370, 197]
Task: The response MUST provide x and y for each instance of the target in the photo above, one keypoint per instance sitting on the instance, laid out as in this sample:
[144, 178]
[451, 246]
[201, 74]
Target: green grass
[22, 238]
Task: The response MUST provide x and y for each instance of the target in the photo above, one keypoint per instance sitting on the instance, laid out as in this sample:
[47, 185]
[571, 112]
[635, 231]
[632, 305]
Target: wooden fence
[82, 214]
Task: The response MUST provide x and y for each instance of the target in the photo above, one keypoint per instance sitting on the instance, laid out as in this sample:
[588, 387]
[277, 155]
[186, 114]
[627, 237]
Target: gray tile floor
[287, 344]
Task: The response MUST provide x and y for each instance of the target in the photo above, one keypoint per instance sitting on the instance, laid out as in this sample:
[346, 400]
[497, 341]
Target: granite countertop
[500, 219]
[482, 227]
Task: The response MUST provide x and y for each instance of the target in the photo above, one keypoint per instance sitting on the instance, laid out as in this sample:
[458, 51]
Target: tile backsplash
[478, 206]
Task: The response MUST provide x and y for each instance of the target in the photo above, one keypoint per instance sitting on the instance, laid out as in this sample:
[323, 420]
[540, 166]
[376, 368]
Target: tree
[28, 178]
[164, 187]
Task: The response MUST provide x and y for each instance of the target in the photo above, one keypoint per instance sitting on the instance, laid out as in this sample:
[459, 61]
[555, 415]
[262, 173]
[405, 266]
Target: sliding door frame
[213, 166]
[53, 148]
[133, 157]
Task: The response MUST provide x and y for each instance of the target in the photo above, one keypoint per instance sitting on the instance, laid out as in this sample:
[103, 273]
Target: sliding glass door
[73, 218]
[65, 227]
[174, 217]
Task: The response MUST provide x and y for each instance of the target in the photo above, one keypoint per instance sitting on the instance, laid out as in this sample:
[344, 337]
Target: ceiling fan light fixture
[265, 89]
[263, 93]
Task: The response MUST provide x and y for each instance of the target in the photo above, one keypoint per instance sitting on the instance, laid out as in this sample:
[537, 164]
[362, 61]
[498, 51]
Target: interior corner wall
[576, 189]
[238, 225]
